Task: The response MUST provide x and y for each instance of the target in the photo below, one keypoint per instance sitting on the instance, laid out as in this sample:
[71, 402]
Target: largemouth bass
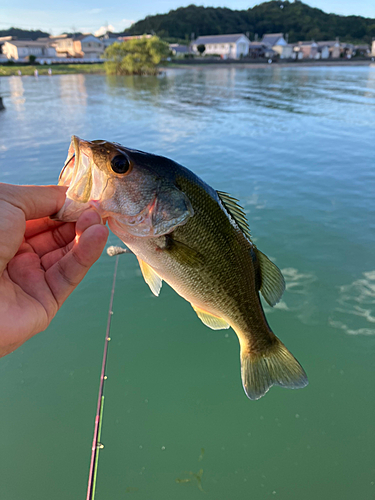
[194, 238]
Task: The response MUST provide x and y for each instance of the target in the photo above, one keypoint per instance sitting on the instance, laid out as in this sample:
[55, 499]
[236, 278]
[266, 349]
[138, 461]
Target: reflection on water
[73, 92]
[16, 94]
[295, 145]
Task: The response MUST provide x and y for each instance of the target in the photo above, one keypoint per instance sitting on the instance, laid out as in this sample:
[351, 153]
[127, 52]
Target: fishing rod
[96, 444]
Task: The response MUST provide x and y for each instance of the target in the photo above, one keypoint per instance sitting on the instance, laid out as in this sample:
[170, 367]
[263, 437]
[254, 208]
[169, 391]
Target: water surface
[296, 146]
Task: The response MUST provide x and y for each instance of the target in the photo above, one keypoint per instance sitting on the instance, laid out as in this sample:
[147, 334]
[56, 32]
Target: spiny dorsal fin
[272, 281]
[151, 278]
[236, 211]
[210, 320]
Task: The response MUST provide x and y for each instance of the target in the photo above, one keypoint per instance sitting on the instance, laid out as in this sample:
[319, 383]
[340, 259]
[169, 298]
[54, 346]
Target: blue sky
[90, 15]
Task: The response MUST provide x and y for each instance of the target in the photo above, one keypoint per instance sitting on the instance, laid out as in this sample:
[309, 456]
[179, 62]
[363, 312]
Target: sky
[91, 16]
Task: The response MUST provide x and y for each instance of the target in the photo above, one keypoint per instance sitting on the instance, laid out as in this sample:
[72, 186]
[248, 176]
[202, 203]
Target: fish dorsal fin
[272, 281]
[236, 211]
[151, 278]
[210, 320]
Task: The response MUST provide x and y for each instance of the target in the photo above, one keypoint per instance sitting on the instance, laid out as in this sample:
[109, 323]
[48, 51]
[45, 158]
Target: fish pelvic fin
[151, 278]
[210, 320]
[275, 366]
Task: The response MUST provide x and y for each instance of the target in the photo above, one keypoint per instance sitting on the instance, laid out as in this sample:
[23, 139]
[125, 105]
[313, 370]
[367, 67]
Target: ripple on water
[355, 310]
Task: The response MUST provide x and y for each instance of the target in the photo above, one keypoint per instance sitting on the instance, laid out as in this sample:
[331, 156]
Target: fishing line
[96, 444]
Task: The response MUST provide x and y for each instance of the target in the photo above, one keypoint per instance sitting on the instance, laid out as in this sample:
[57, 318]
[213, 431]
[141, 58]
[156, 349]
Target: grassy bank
[57, 69]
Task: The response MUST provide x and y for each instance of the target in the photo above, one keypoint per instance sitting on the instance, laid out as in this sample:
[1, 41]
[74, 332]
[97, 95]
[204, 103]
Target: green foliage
[24, 34]
[10, 68]
[299, 20]
[135, 57]
[201, 48]
[32, 59]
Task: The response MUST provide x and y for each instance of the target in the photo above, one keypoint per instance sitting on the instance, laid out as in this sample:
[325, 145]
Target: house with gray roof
[334, 47]
[21, 50]
[273, 39]
[179, 50]
[279, 44]
[225, 46]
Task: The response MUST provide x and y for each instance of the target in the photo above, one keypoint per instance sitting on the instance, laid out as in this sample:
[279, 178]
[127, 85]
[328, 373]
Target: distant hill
[297, 19]
[23, 34]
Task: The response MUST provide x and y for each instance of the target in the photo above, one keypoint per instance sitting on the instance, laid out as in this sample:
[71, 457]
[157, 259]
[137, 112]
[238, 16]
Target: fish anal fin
[275, 366]
[272, 281]
[210, 320]
[151, 278]
[235, 210]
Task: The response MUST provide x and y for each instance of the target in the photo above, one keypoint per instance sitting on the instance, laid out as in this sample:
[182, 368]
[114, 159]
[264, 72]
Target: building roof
[30, 43]
[203, 40]
[307, 44]
[82, 36]
[329, 43]
[256, 45]
[179, 49]
[272, 38]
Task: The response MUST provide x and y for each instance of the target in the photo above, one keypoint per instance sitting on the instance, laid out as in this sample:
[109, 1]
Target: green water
[296, 146]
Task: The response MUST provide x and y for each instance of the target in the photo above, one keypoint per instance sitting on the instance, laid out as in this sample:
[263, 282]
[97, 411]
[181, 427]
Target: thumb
[18, 204]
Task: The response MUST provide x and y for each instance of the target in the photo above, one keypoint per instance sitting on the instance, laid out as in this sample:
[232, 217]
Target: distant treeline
[23, 34]
[297, 19]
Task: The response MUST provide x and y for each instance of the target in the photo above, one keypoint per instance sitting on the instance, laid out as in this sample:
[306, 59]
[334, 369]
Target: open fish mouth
[77, 172]
[86, 183]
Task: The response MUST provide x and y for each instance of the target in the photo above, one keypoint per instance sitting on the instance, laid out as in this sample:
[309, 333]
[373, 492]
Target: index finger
[38, 226]
[35, 201]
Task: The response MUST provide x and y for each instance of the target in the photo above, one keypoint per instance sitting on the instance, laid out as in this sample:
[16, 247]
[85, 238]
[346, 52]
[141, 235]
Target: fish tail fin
[273, 366]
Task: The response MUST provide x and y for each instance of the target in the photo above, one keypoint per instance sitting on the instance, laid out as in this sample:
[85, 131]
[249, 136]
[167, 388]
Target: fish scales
[194, 238]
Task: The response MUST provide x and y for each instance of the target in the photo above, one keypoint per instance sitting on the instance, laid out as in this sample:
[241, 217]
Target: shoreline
[265, 64]
[62, 69]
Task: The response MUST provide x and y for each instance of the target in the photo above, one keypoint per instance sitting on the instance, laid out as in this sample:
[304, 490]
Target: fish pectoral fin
[182, 253]
[151, 278]
[272, 281]
[210, 320]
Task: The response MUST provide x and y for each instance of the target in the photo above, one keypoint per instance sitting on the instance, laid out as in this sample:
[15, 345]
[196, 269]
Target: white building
[226, 46]
[90, 46]
[323, 50]
[21, 50]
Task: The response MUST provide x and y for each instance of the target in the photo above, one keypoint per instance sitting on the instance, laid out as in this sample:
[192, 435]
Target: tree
[201, 48]
[295, 18]
[135, 57]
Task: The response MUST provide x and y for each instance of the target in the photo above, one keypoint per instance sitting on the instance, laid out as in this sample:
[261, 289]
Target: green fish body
[198, 241]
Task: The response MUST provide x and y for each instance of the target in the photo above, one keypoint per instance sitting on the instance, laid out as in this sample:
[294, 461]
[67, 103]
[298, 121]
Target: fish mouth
[86, 183]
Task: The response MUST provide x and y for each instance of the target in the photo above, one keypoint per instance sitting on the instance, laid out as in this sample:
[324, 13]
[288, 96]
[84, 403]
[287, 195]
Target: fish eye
[120, 164]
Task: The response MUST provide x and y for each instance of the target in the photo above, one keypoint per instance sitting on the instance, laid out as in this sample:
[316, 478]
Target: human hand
[41, 261]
